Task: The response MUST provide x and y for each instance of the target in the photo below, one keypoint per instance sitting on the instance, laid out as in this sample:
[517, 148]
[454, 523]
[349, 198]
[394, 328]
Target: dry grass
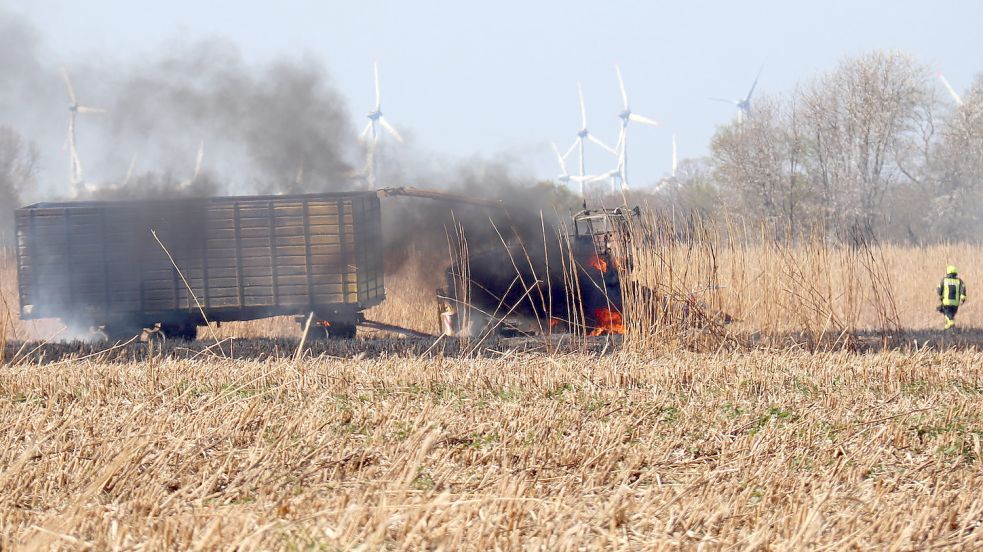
[751, 450]
[771, 289]
[766, 287]
[757, 449]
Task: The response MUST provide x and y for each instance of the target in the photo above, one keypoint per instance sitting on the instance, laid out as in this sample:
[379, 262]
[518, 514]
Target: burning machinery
[572, 283]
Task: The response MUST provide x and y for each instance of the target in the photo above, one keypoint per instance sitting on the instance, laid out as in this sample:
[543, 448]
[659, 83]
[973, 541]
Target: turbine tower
[674, 162]
[371, 132]
[743, 106]
[584, 134]
[75, 178]
[627, 116]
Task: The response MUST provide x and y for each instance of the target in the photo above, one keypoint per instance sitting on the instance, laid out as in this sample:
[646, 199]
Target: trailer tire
[342, 330]
[120, 332]
[186, 330]
[316, 332]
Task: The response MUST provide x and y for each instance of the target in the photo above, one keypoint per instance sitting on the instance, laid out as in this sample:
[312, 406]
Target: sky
[486, 79]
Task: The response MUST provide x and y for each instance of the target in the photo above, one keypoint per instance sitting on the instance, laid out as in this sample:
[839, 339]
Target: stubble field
[749, 450]
[766, 448]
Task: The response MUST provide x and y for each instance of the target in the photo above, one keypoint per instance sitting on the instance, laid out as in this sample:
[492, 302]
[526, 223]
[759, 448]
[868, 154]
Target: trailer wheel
[317, 332]
[120, 332]
[186, 330]
[342, 330]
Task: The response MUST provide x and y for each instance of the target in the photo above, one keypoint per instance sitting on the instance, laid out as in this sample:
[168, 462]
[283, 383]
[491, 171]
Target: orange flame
[609, 322]
[599, 263]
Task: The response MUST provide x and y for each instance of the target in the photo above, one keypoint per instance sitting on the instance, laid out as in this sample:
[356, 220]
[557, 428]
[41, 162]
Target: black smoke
[528, 209]
[274, 127]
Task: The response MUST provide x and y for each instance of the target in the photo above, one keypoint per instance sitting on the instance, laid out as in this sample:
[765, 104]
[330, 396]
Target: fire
[599, 263]
[609, 322]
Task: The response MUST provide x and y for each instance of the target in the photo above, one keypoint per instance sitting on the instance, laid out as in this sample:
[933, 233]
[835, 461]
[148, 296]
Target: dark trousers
[950, 311]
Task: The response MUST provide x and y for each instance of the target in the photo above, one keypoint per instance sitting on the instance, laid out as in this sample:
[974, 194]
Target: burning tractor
[572, 284]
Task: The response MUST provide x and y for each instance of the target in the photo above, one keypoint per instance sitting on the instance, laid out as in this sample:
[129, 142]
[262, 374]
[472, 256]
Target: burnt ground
[280, 348]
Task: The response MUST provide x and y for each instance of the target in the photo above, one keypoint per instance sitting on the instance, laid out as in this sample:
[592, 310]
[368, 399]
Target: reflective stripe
[951, 292]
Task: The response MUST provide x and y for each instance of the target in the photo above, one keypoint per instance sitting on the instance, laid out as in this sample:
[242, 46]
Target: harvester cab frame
[604, 233]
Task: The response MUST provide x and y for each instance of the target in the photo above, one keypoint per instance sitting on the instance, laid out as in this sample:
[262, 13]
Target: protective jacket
[952, 291]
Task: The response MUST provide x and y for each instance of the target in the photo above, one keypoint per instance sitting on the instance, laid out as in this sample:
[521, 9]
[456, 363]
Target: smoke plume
[273, 127]
[278, 127]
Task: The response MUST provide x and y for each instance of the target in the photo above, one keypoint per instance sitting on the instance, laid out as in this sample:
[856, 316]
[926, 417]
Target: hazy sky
[483, 78]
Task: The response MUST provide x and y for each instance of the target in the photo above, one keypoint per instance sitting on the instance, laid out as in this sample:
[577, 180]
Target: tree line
[876, 142]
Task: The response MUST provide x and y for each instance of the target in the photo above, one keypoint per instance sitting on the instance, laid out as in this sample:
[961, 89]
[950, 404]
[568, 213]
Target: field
[732, 450]
[650, 446]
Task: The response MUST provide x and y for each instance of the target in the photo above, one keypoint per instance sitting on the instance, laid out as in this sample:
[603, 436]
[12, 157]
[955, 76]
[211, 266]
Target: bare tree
[759, 164]
[856, 121]
[957, 170]
[18, 172]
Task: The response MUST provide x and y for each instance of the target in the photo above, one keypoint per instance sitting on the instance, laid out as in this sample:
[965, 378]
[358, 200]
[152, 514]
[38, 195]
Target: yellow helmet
[951, 269]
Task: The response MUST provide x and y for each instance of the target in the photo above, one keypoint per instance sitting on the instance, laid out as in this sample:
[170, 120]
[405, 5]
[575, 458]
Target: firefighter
[952, 293]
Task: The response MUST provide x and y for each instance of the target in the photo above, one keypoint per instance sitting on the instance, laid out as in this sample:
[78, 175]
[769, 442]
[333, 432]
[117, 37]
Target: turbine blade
[365, 133]
[583, 110]
[952, 91]
[378, 94]
[87, 109]
[571, 149]
[70, 137]
[389, 128]
[603, 176]
[299, 176]
[621, 85]
[68, 86]
[198, 160]
[129, 170]
[643, 120]
[559, 158]
[734, 102]
[753, 85]
[598, 141]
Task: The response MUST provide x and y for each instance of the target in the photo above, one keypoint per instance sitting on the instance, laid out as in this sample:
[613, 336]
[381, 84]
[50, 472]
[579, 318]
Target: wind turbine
[78, 185]
[952, 91]
[743, 106]
[627, 116]
[371, 132]
[564, 177]
[584, 134]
